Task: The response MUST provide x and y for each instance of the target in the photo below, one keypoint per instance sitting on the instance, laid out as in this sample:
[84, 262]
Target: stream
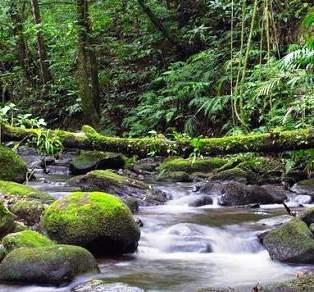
[186, 248]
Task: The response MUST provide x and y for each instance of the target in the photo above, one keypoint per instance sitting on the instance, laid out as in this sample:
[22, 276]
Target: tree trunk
[21, 46]
[46, 76]
[88, 71]
[90, 139]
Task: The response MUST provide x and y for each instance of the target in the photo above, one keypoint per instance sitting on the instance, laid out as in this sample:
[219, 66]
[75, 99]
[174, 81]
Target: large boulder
[292, 242]
[12, 167]
[98, 221]
[234, 194]
[122, 186]
[52, 265]
[233, 174]
[25, 238]
[7, 223]
[91, 160]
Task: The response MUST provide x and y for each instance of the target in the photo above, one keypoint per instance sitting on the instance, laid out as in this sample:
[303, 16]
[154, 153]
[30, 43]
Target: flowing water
[186, 248]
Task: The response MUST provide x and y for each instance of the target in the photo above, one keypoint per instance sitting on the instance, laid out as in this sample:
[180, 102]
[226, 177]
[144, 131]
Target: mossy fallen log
[89, 138]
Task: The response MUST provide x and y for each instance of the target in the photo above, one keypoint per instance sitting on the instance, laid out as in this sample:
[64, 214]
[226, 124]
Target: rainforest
[156, 145]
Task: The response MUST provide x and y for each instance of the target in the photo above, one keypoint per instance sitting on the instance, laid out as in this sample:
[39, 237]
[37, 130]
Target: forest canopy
[198, 67]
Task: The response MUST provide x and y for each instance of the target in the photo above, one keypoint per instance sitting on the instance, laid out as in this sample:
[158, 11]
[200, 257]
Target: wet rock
[7, 223]
[132, 204]
[211, 188]
[235, 194]
[139, 222]
[201, 201]
[102, 286]
[304, 187]
[100, 222]
[146, 165]
[25, 238]
[292, 242]
[52, 265]
[308, 216]
[12, 167]
[91, 160]
[3, 252]
[122, 186]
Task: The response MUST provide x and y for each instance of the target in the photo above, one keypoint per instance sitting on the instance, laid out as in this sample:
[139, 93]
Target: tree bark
[90, 139]
[46, 76]
[88, 69]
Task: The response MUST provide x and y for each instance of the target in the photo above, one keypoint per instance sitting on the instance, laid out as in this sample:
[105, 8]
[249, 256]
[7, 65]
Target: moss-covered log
[88, 138]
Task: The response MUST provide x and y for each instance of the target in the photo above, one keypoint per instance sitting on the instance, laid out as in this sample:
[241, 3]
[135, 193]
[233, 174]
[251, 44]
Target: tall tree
[88, 69]
[21, 44]
[45, 73]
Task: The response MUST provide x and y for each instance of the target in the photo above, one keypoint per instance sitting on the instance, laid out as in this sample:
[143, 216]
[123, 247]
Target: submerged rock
[12, 167]
[25, 238]
[52, 265]
[110, 182]
[91, 160]
[100, 222]
[102, 286]
[292, 242]
[200, 201]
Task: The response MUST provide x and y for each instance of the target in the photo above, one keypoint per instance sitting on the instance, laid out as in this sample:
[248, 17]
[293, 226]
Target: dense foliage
[206, 67]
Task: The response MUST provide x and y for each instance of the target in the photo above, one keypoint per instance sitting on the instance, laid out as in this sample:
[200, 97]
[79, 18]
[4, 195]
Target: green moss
[190, 166]
[3, 252]
[175, 176]
[25, 238]
[12, 167]
[19, 190]
[301, 284]
[291, 242]
[7, 224]
[235, 173]
[56, 264]
[83, 217]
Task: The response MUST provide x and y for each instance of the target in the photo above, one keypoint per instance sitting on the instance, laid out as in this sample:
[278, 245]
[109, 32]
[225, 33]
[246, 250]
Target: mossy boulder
[7, 223]
[91, 160]
[122, 186]
[233, 174]
[51, 265]
[28, 211]
[15, 191]
[175, 176]
[25, 238]
[98, 221]
[12, 167]
[190, 165]
[291, 242]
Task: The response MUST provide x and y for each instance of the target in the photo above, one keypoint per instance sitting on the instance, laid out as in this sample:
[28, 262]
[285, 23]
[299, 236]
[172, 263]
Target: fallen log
[89, 138]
